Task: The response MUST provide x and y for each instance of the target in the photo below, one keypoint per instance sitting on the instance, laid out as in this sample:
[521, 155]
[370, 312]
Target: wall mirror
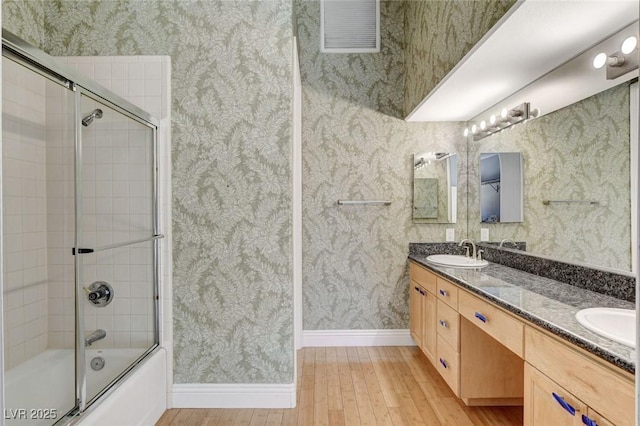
[501, 189]
[580, 168]
[580, 173]
[435, 186]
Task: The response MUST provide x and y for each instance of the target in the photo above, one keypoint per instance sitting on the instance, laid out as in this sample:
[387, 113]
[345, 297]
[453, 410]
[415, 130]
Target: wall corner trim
[391, 337]
[215, 395]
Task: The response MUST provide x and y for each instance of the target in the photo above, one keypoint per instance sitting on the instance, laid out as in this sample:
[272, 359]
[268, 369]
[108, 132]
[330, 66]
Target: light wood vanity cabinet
[448, 325]
[487, 373]
[500, 325]
[447, 292]
[489, 356]
[423, 310]
[547, 403]
[607, 392]
[416, 313]
[423, 320]
[448, 364]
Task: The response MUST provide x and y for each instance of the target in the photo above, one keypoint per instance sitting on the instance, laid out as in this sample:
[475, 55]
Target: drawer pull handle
[564, 403]
[444, 323]
[444, 363]
[481, 317]
[444, 293]
[421, 292]
[589, 422]
[417, 289]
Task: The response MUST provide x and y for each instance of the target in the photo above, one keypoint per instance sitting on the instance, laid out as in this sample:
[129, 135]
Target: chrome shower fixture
[96, 113]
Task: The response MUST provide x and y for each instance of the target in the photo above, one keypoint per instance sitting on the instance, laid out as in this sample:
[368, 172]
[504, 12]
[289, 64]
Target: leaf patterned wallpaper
[355, 257]
[580, 152]
[438, 35]
[232, 125]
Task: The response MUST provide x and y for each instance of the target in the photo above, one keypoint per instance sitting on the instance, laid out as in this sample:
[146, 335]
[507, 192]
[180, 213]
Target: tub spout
[95, 336]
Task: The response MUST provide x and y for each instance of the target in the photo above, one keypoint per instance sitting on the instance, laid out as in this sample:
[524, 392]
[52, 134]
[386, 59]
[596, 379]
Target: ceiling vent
[349, 26]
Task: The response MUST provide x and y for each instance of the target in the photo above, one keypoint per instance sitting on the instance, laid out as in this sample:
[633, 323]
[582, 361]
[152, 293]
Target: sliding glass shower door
[116, 235]
[80, 238]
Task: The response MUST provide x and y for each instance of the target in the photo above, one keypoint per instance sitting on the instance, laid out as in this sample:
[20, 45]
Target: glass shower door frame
[47, 66]
[81, 366]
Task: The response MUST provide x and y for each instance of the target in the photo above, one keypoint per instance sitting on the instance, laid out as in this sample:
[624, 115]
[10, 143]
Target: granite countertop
[547, 303]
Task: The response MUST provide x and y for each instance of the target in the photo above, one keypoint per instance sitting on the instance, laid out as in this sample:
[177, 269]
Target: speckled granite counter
[549, 304]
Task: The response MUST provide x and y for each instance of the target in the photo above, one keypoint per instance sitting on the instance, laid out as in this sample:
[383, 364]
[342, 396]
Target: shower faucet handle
[100, 293]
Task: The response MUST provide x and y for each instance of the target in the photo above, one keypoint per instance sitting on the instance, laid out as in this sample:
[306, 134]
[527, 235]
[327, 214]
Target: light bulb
[474, 129]
[599, 60]
[466, 132]
[504, 113]
[483, 125]
[628, 45]
[492, 119]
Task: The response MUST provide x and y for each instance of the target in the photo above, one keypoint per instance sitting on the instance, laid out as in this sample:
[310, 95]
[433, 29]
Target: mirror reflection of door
[435, 182]
[501, 192]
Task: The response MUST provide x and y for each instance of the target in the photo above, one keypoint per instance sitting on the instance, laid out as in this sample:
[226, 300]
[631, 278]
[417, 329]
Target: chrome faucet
[507, 240]
[466, 240]
[99, 334]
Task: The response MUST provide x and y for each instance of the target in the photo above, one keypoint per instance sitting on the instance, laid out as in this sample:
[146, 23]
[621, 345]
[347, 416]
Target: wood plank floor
[359, 386]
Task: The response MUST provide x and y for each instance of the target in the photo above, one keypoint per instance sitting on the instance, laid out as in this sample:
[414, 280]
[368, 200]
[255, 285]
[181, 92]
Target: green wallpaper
[231, 144]
[355, 258]
[437, 35]
[26, 19]
[580, 152]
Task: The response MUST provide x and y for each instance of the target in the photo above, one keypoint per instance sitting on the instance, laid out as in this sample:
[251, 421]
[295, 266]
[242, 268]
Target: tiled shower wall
[25, 208]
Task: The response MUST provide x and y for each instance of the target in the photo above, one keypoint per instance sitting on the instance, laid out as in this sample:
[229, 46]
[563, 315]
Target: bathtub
[36, 394]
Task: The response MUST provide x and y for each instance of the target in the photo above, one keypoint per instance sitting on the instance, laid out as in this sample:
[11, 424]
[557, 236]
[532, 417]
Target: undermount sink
[456, 261]
[616, 324]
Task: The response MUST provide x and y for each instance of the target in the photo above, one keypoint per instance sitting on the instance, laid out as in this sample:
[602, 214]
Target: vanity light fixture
[620, 62]
[427, 158]
[507, 118]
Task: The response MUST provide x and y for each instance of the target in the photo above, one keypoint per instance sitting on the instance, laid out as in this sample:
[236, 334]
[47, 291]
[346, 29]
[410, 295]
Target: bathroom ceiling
[532, 39]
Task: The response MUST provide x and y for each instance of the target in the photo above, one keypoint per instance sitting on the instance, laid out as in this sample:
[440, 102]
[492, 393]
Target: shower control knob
[100, 293]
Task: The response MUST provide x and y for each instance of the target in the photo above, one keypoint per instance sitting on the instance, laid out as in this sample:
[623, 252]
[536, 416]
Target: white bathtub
[46, 382]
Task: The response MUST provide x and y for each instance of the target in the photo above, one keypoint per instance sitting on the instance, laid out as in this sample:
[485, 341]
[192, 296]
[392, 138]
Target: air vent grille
[350, 26]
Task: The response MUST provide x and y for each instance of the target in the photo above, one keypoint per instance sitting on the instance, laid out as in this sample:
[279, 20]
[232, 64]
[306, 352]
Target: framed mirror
[435, 186]
[501, 189]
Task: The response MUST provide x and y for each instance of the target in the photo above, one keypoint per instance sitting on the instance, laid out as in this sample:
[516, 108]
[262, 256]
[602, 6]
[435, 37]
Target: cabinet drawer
[495, 322]
[448, 293]
[423, 277]
[448, 365]
[448, 325]
[607, 390]
[547, 403]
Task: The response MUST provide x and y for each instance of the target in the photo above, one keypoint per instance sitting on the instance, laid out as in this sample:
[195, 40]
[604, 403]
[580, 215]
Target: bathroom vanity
[501, 336]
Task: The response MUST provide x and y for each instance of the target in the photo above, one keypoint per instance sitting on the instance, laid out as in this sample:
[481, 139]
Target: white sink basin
[618, 325]
[456, 261]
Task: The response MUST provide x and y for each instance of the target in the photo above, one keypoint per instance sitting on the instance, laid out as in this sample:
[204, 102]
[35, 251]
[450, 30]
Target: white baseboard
[207, 395]
[320, 338]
